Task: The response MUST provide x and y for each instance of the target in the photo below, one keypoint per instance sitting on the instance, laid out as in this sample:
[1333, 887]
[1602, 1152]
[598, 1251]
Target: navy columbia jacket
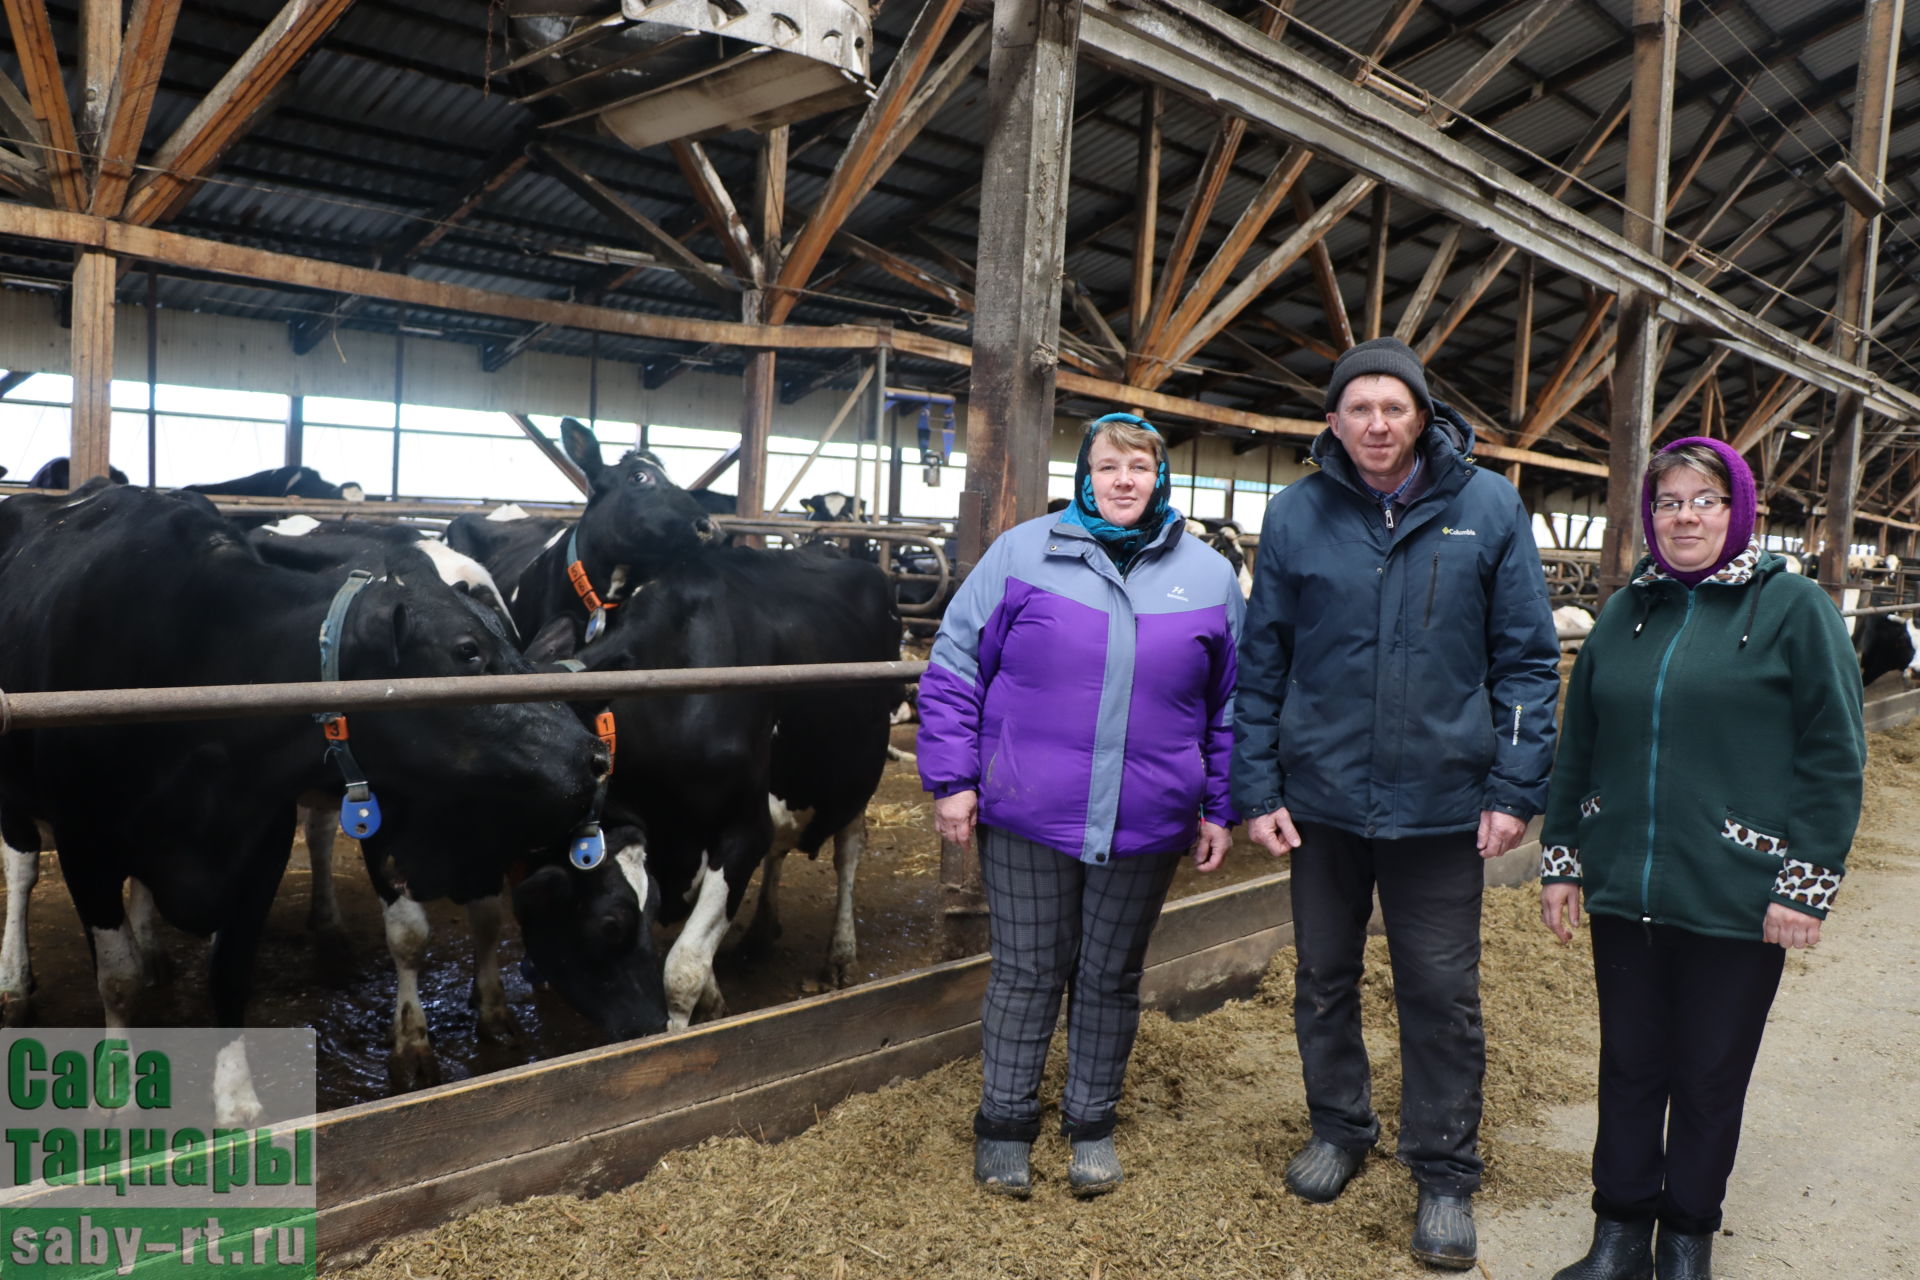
[1396, 682]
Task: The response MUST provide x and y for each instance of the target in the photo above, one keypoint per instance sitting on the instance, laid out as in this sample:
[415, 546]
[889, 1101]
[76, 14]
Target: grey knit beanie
[1379, 355]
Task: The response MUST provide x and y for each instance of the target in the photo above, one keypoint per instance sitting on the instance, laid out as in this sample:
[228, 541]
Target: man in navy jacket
[1394, 727]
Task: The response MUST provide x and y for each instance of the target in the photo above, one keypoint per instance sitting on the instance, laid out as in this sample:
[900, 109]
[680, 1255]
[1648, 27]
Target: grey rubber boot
[1001, 1166]
[1443, 1234]
[1678, 1256]
[1321, 1171]
[1621, 1251]
[1095, 1169]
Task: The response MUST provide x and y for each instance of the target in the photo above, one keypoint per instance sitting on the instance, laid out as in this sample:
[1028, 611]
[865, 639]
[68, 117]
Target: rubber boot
[1095, 1169]
[1621, 1251]
[1679, 1256]
[1443, 1234]
[1001, 1166]
[1321, 1171]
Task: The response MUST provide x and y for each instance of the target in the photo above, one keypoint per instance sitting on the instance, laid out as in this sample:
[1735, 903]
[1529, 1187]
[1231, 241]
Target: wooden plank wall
[592, 1121]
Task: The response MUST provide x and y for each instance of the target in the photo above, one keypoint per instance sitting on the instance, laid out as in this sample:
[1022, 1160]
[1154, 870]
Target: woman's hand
[1210, 846]
[953, 816]
[1789, 928]
[1560, 909]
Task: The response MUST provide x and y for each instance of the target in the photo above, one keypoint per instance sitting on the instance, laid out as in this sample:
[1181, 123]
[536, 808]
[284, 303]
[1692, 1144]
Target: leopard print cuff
[1807, 885]
[1559, 862]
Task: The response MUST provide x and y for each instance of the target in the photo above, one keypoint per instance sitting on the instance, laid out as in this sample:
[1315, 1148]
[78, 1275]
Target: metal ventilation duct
[652, 73]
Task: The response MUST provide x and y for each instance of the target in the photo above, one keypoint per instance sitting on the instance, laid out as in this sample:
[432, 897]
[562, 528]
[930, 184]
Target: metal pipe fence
[65, 708]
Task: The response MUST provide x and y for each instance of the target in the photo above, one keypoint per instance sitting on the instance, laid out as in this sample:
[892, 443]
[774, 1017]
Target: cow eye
[468, 651]
[642, 477]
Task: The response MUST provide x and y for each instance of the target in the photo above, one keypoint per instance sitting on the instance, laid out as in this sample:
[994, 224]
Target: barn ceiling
[391, 138]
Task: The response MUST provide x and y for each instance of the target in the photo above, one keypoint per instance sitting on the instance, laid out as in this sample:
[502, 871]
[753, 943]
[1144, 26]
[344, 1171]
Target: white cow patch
[235, 1105]
[407, 937]
[116, 971]
[689, 967]
[16, 964]
[633, 865]
[292, 526]
[511, 511]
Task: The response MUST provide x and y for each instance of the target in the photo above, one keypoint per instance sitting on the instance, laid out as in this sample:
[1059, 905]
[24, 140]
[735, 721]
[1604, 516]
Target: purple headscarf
[1739, 514]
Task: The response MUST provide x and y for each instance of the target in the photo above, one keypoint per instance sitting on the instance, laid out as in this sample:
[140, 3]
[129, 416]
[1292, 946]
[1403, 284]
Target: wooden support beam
[907, 272]
[1709, 139]
[1430, 281]
[142, 54]
[614, 207]
[1377, 245]
[229, 108]
[859, 165]
[1023, 202]
[99, 64]
[1089, 313]
[551, 451]
[1146, 212]
[1854, 300]
[1195, 49]
[760, 380]
[1656, 39]
[1325, 279]
[728, 226]
[47, 98]
[1495, 262]
[91, 345]
[495, 356]
[1522, 347]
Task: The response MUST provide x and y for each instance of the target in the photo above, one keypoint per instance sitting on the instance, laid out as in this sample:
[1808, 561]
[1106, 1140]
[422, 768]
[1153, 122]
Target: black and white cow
[1886, 642]
[722, 783]
[1225, 536]
[57, 474]
[114, 586]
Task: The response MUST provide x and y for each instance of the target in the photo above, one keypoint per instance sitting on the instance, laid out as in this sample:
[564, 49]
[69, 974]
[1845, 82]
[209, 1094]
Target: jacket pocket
[1761, 838]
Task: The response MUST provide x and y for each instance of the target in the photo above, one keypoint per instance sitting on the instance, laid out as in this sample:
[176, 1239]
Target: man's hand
[1275, 832]
[1499, 832]
[953, 816]
[1789, 928]
[1210, 846]
[1560, 909]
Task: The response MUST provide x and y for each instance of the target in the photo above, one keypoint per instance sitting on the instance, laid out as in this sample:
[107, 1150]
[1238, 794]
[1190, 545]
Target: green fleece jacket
[1711, 754]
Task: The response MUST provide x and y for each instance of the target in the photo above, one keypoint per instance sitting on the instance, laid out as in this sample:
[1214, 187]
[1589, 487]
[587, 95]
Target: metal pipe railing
[45, 710]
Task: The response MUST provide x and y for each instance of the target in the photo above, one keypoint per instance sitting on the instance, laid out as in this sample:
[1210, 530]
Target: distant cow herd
[597, 824]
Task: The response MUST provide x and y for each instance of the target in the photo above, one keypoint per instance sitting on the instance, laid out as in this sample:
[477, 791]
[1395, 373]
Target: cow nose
[600, 763]
[703, 527]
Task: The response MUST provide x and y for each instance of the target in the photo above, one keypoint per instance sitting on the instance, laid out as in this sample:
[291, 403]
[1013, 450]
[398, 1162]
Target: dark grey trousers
[1430, 890]
[1055, 921]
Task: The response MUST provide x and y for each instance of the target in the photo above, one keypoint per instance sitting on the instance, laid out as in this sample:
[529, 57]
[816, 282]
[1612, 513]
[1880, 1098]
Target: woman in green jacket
[1703, 800]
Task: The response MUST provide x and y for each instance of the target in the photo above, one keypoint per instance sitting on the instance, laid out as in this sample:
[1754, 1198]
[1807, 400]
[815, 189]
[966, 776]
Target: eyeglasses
[1701, 503]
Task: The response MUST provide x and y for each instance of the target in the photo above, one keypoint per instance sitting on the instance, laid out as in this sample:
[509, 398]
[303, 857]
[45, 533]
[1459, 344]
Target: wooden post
[153, 378]
[399, 392]
[92, 351]
[1853, 303]
[1377, 263]
[760, 382]
[1522, 348]
[1023, 202]
[1023, 219]
[1146, 218]
[1656, 29]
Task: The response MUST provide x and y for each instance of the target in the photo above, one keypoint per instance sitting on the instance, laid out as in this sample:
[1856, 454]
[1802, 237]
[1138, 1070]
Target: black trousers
[1430, 891]
[1681, 1016]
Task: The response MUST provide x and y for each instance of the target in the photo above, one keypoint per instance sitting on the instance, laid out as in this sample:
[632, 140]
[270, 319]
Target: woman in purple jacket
[1079, 705]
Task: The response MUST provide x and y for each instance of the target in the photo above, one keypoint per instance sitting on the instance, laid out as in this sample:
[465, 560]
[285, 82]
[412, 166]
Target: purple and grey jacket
[1092, 713]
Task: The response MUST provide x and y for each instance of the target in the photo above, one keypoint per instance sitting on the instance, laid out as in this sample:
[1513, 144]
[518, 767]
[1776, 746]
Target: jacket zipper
[1653, 761]
[1433, 583]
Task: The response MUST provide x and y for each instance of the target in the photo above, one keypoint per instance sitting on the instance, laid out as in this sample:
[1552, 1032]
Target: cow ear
[582, 446]
[556, 642]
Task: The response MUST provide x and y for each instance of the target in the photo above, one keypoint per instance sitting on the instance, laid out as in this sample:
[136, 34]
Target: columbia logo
[1178, 593]
[1458, 533]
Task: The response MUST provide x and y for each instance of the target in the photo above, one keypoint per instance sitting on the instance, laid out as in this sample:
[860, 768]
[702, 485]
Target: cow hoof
[412, 1068]
[498, 1028]
[838, 972]
[16, 1009]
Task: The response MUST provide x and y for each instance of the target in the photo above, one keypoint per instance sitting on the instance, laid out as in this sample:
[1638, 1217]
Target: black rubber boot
[1443, 1234]
[1321, 1171]
[1621, 1251]
[1001, 1166]
[1679, 1256]
[1095, 1169]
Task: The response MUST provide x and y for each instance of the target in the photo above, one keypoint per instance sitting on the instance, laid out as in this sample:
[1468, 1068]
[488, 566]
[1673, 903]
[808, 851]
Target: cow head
[637, 521]
[588, 936]
[466, 791]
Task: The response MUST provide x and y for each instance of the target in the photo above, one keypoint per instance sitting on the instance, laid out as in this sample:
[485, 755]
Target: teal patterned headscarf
[1121, 544]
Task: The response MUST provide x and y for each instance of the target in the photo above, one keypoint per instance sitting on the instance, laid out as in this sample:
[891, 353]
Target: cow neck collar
[597, 606]
[359, 808]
